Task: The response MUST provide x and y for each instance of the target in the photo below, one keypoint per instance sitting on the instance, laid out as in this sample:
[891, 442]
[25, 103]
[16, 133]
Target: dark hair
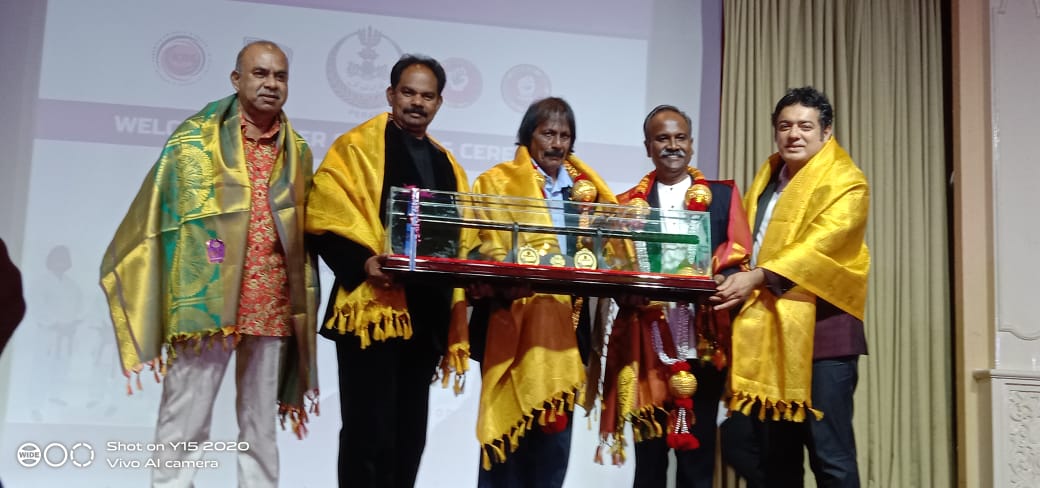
[262, 42]
[413, 59]
[540, 111]
[664, 108]
[807, 96]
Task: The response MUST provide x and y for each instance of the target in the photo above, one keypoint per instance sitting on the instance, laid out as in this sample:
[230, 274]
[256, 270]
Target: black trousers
[540, 461]
[830, 441]
[694, 468]
[781, 445]
[741, 449]
[384, 401]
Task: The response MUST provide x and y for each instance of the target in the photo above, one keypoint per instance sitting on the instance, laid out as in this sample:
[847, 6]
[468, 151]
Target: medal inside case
[554, 246]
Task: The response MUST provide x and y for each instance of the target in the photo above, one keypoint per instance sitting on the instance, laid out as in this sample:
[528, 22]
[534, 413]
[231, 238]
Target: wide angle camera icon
[56, 454]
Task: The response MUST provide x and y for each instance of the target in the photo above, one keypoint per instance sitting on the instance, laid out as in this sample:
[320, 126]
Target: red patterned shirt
[263, 307]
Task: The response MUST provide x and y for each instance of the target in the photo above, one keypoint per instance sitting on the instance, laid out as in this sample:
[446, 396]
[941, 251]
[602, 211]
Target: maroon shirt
[12, 303]
[837, 334]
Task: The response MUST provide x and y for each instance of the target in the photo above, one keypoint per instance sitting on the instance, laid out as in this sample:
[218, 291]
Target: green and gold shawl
[160, 285]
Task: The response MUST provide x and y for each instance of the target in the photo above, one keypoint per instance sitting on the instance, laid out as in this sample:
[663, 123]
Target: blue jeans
[830, 441]
[540, 461]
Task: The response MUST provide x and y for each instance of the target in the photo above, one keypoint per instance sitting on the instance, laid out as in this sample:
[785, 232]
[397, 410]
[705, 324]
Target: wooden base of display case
[457, 273]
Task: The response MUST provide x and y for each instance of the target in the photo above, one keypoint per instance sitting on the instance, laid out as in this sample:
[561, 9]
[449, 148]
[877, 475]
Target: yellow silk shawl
[816, 239]
[532, 370]
[345, 201]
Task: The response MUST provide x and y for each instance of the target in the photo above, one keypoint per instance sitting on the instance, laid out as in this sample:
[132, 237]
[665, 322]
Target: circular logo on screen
[358, 67]
[464, 82]
[180, 58]
[523, 84]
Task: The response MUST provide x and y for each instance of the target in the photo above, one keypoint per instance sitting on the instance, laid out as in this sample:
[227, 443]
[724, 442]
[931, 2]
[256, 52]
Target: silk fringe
[297, 415]
[644, 427]
[498, 449]
[455, 363]
[371, 322]
[772, 409]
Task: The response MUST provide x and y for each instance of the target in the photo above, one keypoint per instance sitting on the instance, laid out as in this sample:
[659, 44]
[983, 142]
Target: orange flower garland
[583, 191]
[682, 384]
[698, 196]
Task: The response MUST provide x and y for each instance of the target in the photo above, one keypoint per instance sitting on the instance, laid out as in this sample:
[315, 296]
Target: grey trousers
[186, 412]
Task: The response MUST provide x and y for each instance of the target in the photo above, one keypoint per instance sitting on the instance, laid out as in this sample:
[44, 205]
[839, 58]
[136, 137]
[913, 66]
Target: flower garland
[681, 383]
[698, 196]
[583, 190]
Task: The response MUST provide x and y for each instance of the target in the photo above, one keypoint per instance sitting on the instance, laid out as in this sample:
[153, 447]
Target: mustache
[415, 110]
[672, 152]
[554, 153]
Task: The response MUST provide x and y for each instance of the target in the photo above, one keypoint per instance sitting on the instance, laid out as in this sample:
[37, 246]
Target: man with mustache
[655, 340]
[389, 335]
[210, 261]
[531, 366]
[805, 299]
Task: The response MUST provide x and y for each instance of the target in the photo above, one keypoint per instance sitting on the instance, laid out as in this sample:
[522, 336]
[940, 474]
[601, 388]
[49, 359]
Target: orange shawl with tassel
[635, 380]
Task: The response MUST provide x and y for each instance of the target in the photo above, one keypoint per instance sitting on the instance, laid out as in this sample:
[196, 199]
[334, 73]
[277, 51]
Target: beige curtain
[880, 62]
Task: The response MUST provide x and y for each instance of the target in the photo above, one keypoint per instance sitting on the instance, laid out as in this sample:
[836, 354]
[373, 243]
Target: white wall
[1015, 382]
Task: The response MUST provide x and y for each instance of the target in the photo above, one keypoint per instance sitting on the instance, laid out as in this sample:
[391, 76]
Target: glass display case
[571, 247]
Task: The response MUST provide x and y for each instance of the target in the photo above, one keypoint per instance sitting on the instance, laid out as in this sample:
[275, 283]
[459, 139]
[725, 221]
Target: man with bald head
[208, 261]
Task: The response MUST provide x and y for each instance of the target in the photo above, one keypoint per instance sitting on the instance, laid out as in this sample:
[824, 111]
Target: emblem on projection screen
[180, 58]
[464, 84]
[523, 84]
[358, 67]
